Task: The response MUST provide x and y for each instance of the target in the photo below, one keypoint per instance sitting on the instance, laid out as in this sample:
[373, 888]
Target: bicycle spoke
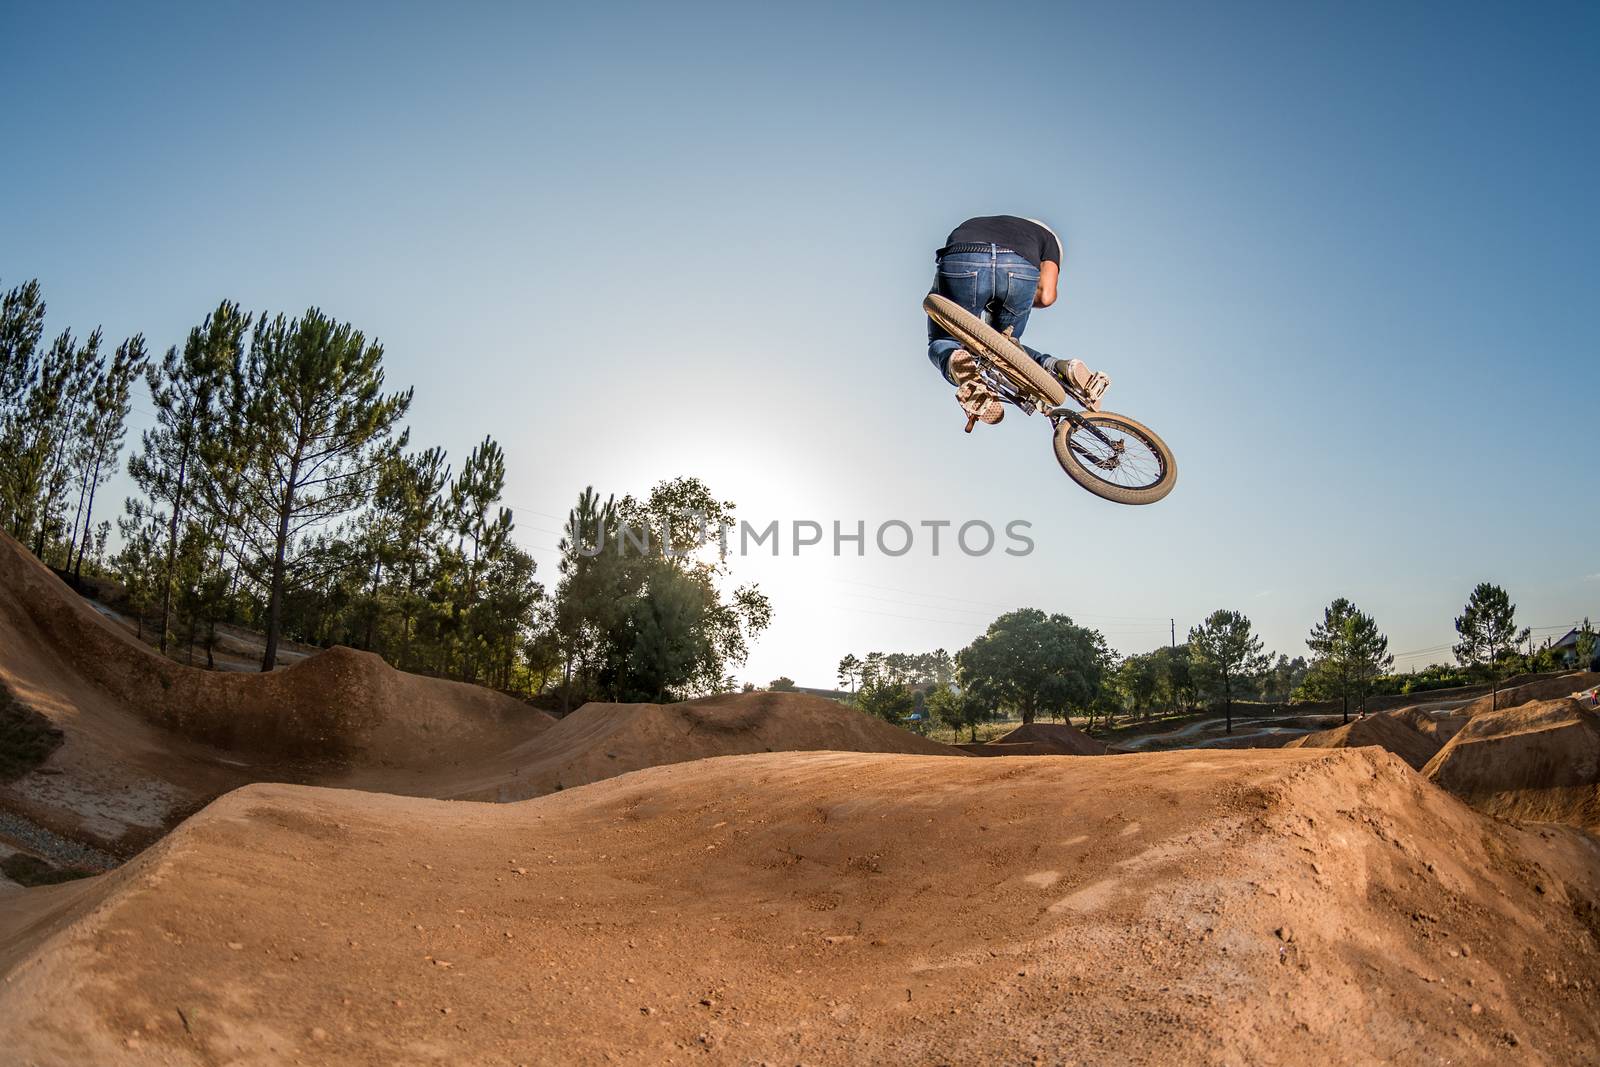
[1137, 466]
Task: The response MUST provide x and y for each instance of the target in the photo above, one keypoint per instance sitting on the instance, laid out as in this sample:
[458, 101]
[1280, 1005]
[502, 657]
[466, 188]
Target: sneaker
[963, 368]
[980, 402]
[1089, 386]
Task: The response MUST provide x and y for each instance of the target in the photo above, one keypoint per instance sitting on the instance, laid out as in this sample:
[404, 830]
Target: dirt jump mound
[1538, 761]
[1438, 727]
[1562, 685]
[143, 739]
[1040, 739]
[600, 741]
[831, 908]
[1383, 731]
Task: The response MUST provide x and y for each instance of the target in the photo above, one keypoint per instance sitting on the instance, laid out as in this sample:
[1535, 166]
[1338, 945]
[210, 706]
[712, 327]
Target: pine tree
[183, 389]
[21, 330]
[849, 671]
[40, 436]
[1349, 653]
[1488, 630]
[106, 426]
[1226, 656]
[1584, 646]
[483, 531]
[318, 420]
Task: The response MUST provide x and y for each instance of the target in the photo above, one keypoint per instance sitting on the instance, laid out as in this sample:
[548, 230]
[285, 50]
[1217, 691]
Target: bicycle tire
[973, 332]
[1080, 472]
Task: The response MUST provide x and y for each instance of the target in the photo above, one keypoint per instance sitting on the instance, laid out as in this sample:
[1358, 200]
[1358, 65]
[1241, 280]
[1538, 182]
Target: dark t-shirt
[1033, 241]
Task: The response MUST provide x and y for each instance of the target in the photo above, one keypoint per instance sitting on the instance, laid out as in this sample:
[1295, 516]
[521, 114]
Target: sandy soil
[600, 741]
[1544, 688]
[1386, 731]
[1537, 761]
[148, 741]
[750, 893]
[1245, 907]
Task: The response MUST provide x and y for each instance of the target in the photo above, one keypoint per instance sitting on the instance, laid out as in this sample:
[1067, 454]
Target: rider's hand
[1045, 294]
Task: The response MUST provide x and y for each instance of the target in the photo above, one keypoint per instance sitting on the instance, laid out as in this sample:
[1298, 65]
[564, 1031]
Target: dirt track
[1308, 906]
[1243, 907]
[148, 741]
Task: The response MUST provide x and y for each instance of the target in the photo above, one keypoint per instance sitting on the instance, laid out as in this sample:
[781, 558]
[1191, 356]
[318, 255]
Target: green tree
[1488, 630]
[501, 618]
[849, 671]
[105, 427]
[68, 430]
[781, 684]
[1349, 653]
[1585, 646]
[642, 607]
[1226, 657]
[1137, 683]
[1286, 676]
[21, 330]
[138, 564]
[404, 535]
[319, 421]
[582, 612]
[957, 708]
[889, 701]
[483, 531]
[182, 389]
[1029, 662]
[1174, 678]
[41, 433]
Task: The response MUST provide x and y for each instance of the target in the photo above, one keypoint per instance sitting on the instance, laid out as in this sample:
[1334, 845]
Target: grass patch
[26, 737]
[30, 870]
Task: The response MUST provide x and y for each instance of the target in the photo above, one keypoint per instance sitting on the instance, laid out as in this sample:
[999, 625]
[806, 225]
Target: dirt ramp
[339, 705]
[143, 740]
[1545, 688]
[832, 908]
[600, 741]
[1382, 731]
[1438, 727]
[1054, 738]
[1538, 761]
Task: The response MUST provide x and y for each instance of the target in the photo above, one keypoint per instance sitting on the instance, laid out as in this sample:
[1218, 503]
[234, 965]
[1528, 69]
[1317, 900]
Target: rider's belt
[970, 246]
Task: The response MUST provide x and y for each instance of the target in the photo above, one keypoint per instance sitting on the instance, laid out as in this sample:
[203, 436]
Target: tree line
[278, 490]
[1029, 663]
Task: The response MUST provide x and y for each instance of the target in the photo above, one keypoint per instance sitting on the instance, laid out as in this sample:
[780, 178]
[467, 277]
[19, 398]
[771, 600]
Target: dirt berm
[1546, 688]
[1385, 731]
[1246, 907]
[1437, 727]
[1538, 761]
[601, 741]
[144, 740]
[340, 705]
[1040, 739]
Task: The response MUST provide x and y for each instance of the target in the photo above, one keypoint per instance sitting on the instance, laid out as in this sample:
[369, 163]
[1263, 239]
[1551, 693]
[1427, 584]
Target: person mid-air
[1000, 267]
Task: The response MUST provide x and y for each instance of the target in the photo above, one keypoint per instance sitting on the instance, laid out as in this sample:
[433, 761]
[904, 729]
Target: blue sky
[1343, 257]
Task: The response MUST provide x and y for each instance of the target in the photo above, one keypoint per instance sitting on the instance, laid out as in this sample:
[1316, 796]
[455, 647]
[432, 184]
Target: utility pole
[1174, 623]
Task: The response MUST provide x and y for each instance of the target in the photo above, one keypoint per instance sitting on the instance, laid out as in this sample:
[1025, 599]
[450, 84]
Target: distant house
[1567, 648]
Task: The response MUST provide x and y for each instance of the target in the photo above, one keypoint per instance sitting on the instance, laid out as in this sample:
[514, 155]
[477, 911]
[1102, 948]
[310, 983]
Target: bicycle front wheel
[1115, 457]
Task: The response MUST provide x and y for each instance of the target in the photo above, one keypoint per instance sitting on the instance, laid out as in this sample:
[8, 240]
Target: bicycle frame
[999, 378]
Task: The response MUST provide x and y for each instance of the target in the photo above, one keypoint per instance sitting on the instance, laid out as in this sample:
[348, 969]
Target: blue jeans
[995, 285]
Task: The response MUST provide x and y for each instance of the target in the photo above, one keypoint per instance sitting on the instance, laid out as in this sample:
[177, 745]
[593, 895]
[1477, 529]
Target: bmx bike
[1111, 455]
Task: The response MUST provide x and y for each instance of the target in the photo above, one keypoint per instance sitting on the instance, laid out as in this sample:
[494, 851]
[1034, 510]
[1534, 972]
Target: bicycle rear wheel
[1123, 462]
[977, 335]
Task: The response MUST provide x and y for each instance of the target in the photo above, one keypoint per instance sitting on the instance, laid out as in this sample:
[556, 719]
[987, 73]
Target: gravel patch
[61, 851]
